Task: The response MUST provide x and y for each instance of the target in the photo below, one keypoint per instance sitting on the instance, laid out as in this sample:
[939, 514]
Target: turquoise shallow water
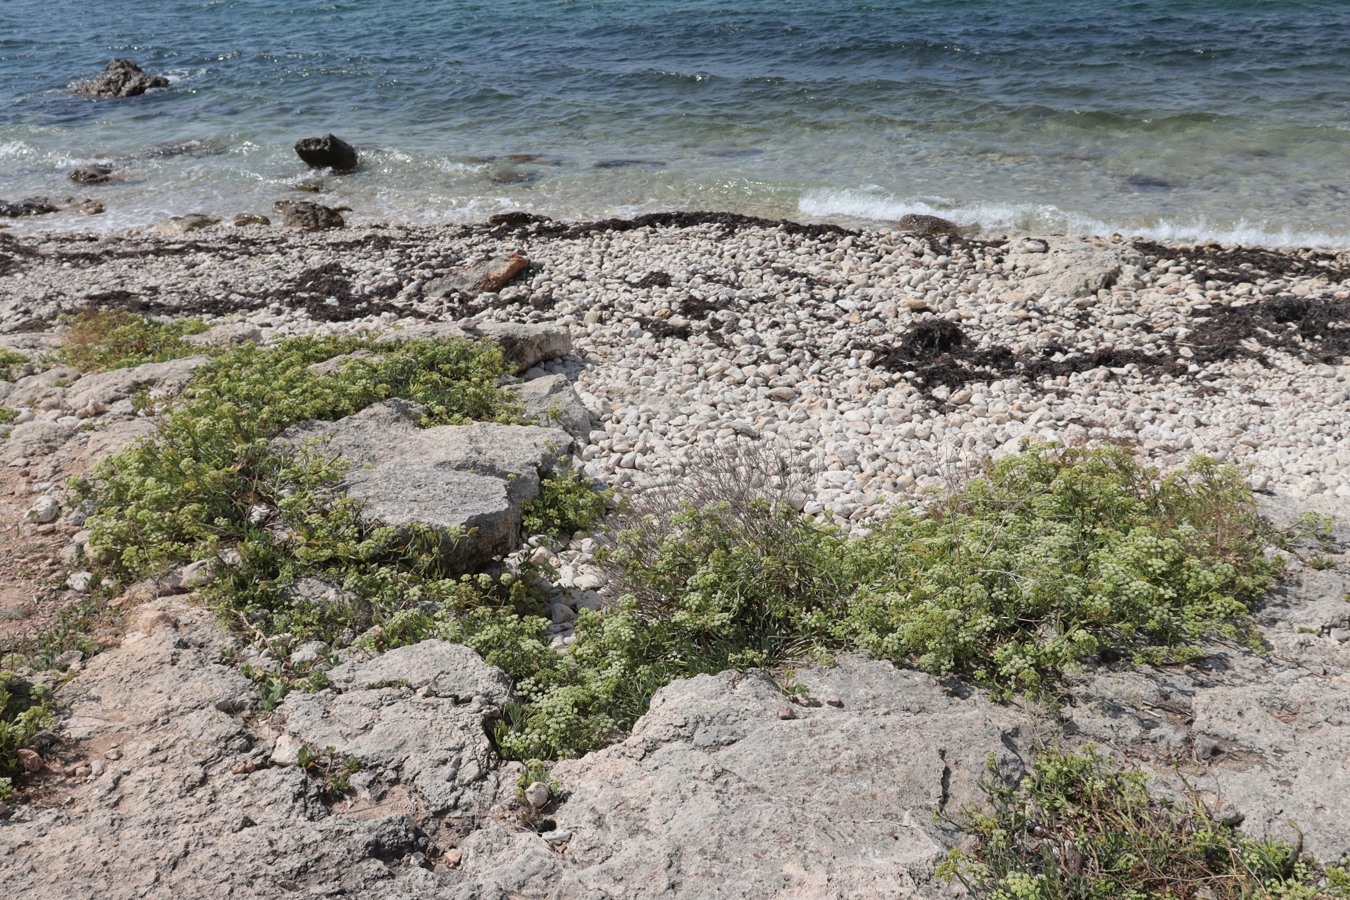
[1170, 119]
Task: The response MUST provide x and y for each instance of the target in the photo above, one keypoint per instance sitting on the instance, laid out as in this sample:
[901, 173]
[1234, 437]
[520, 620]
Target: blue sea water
[1167, 118]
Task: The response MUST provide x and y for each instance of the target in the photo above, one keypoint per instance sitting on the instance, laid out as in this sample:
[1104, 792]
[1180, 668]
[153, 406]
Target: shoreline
[81, 214]
[868, 354]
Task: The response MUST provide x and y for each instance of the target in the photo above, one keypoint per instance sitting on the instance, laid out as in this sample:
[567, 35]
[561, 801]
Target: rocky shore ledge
[878, 364]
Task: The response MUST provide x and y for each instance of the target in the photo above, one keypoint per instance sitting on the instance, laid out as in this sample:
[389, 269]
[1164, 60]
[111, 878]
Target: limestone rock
[37, 439]
[165, 379]
[226, 335]
[191, 807]
[488, 276]
[525, 346]
[1071, 269]
[468, 481]
[416, 716]
[714, 795]
[551, 401]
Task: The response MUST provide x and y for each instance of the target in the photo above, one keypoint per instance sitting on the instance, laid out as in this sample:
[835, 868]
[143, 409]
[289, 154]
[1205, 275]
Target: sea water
[1183, 119]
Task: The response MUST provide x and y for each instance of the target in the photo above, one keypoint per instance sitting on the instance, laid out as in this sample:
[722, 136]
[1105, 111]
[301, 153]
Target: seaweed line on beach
[939, 353]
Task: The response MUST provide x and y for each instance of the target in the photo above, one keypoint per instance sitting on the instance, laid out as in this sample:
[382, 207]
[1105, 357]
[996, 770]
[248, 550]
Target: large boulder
[725, 789]
[174, 794]
[469, 482]
[1068, 268]
[524, 345]
[327, 152]
[930, 226]
[120, 78]
[487, 276]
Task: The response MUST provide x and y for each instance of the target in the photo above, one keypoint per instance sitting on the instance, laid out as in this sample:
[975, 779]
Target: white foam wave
[872, 206]
[185, 75]
[15, 150]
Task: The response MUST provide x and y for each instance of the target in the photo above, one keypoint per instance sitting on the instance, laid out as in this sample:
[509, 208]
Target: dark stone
[121, 78]
[1149, 183]
[91, 174]
[329, 152]
[512, 176]
[310, 216]
[195, 148]
[630, 164]
[33, 206]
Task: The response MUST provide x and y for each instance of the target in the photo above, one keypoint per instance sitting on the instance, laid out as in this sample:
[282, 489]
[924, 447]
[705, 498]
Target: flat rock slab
[468, 481]
[186, 805]
[1264, 737]
[716, 795]
[415, 715]
[1072, 268]
[524, 345]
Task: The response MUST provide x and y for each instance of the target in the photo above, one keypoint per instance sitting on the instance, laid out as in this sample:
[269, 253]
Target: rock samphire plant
[1042, 562]
[1081, 826]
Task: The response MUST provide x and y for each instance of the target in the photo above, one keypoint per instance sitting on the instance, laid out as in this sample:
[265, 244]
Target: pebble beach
[875, 362]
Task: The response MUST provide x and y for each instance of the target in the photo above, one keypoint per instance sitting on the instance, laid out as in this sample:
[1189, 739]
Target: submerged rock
[32, 206]
[121, 78]
[91, 174]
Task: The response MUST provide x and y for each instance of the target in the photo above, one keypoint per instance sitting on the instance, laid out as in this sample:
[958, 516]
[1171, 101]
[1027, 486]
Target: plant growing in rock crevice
[1083, 827]
[332, 773]
[25, 710]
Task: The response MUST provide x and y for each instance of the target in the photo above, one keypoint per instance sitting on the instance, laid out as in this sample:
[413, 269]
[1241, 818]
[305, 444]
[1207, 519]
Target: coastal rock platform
[876, 365]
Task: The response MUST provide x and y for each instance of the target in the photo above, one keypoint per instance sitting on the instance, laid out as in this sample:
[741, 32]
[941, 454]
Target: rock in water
[91, 174]
[310, 216]
[33, 206]
[329, 152]
[121, 78]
